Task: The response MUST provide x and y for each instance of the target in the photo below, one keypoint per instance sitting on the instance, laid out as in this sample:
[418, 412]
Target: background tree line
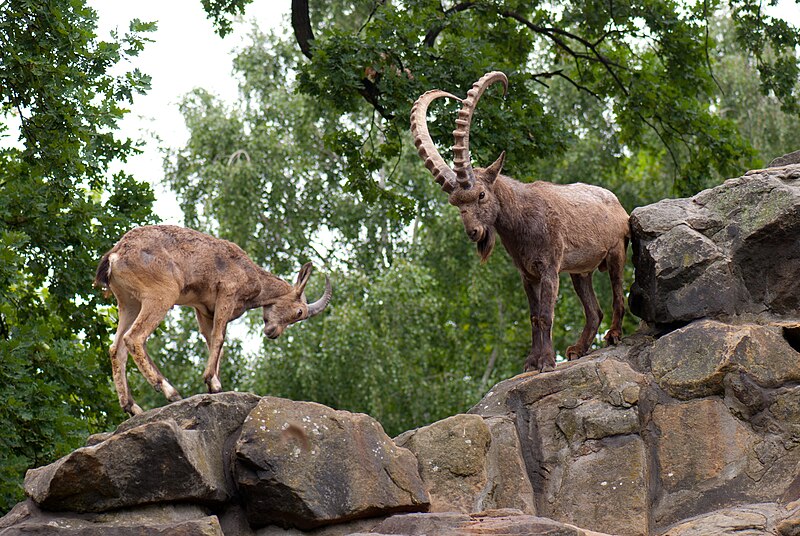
[313, 162]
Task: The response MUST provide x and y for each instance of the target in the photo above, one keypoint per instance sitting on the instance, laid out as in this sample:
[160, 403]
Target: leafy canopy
[60, 208]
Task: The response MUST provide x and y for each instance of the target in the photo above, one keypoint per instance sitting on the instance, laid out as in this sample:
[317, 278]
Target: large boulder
[306, 465]
[470, 464]
[166, 455]
[580, 437]
[726, 251]
[763, 519]
[695, 361]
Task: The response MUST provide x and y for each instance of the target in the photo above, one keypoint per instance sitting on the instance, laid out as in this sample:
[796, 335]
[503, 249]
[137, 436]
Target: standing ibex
[546, 228]
[155, 267]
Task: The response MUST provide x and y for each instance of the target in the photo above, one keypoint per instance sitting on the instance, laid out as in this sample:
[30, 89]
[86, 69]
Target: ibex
[153, 268]
[546, 228]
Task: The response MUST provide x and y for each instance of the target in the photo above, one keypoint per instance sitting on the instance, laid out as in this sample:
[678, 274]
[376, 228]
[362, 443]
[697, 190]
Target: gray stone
[579, 433]
[167, 520]
[157, 461]
[470, 465]
[726, 251]
[785, 160]
[491, 522]
[305, 465]
[693, 361]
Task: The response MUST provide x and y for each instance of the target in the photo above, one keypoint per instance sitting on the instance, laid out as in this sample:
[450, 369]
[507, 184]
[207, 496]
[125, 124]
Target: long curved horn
[434, 162]
[318, 306]
[461, 159]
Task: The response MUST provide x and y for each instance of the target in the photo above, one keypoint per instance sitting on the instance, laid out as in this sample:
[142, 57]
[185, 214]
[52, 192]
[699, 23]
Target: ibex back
[153, 268]
[546, 228]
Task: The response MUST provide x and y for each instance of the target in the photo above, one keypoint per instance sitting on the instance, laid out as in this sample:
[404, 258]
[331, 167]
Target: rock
[726, 251]
[174, 453]
[785, 160]
[306, 465]
[508, 485]
[491, 522]
[168, 520]
[693, 361]
[747, 520]
[700, 471]
[153, 462]
[579, 434]
[471, 465]
[452, 458]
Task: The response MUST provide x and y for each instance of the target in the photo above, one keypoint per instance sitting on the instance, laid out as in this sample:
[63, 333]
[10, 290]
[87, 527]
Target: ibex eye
[299, 313]
[482, 195]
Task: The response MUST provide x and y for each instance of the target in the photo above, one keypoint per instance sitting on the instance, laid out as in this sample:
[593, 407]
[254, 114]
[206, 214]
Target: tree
[649, 64]
[60, 208]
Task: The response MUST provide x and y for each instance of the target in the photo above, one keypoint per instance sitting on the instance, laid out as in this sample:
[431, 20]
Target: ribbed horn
[434, 162]
[318, 306]
[462, 163]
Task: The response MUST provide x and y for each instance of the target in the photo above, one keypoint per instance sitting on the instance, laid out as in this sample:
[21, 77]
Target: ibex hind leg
[128, 310]
[616, 272]
[591, 312]
[152, 313]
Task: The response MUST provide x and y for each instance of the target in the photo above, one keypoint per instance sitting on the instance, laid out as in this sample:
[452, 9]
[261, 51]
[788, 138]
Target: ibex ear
[302, 277]
[494, 170]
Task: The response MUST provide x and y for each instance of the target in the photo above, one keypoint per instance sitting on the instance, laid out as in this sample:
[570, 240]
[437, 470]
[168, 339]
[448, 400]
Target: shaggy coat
[546, 228]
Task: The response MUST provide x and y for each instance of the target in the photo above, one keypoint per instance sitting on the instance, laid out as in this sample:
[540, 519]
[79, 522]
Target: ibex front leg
[542, 294]
[213, 330]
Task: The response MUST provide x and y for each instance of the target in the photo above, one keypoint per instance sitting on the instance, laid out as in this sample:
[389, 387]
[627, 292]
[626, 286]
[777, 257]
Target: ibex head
[471, 190]
[292, 306]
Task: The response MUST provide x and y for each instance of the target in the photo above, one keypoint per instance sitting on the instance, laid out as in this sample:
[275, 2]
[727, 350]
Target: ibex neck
[272, 287]
[520, 207]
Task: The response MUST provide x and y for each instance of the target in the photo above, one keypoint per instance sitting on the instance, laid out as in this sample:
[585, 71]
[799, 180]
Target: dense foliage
[59, 209]
[649, 99]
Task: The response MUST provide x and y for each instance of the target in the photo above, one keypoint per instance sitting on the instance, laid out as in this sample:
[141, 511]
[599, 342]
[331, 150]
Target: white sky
[185, 54]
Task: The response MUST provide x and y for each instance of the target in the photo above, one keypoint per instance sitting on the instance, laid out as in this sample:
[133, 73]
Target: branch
[301, 24]
[560, 73]
[304, 35]
[552, 34]
[433, 33]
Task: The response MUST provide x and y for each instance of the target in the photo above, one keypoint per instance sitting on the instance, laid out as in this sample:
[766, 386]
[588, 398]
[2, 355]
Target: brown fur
[546, 228]
[153, 268]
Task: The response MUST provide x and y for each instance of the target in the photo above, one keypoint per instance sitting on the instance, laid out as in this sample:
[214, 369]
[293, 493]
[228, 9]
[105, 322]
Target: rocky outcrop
[730, 250]
[689, 427]
[287, 463]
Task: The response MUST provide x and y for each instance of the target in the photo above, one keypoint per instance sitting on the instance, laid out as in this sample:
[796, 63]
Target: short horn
[318, 306]
[434, 162]
[462, 163]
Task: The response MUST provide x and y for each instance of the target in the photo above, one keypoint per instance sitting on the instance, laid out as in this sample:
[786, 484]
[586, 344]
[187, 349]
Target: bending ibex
[155, 267]
[546, 228]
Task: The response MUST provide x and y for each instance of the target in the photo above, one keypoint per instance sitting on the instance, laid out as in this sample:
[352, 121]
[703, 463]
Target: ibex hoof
[575, 352]
[170, 392]
[214, 385]
[132, 409]
[613, 337]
